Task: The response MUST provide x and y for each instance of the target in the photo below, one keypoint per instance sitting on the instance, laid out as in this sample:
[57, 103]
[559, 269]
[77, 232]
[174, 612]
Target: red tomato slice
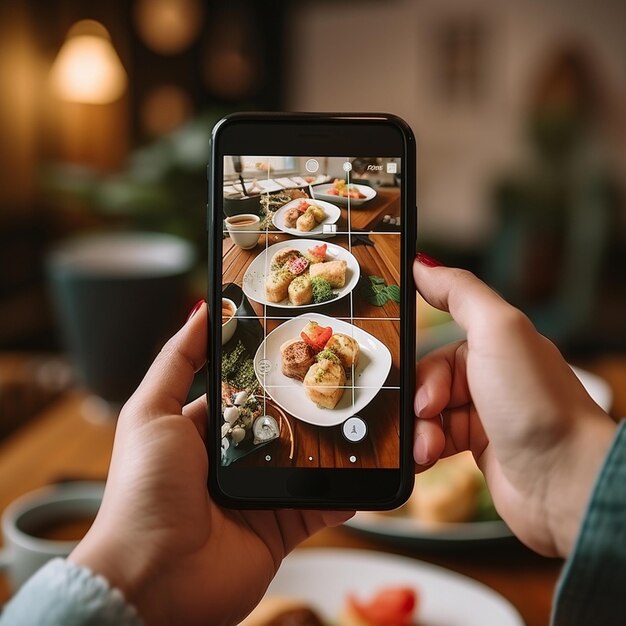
[319, 338]
[393, 606]
[303, 206]
[319, 251]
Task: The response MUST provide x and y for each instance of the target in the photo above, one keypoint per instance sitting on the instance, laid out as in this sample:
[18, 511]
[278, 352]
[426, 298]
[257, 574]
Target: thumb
[467, 298]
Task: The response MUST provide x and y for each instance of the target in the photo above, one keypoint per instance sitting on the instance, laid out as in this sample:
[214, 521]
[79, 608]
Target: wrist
[124, 568]
[573, 479]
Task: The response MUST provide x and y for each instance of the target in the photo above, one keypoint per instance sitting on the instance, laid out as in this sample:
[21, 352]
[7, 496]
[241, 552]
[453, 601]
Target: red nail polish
[196, 306]
[427, 260]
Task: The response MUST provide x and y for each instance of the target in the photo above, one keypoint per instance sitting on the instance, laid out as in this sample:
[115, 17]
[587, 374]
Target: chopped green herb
[238, 369]
[328, 354]
[322, 291]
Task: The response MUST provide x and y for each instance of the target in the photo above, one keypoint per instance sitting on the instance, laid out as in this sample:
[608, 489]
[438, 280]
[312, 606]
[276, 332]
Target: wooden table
[326, 446]
[60, 443]
[366, 216]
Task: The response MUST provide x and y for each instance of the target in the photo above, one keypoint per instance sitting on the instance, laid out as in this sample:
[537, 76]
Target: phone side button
[308, 485]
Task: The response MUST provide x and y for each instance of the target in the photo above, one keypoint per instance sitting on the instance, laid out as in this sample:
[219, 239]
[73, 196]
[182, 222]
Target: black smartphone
[311, 356]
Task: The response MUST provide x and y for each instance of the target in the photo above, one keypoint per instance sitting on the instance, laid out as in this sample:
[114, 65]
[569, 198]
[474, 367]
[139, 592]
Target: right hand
[507, 395]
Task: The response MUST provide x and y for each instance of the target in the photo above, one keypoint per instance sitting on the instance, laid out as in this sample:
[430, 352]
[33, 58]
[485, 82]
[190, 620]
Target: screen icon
[353, 459]
[347, 166]
[392, 168]
[312, 165]
[354, 429]
[329, 229]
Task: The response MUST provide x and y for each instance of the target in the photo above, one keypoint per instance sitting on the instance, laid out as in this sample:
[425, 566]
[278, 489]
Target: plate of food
[305, 217]
[301, 273]
[321, 370]
[341, 192]
[450, 502]
[324, 587]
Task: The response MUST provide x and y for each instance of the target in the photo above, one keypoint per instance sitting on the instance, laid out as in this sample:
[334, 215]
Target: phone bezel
[332, 134]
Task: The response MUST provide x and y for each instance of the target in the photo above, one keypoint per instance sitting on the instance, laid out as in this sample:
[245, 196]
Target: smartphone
[311, 356]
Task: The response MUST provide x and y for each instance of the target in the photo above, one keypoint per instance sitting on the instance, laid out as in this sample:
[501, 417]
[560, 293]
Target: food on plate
[291, 217]
[333, 271]
[322, 360]
[324, 382]
[346, 348]
[305, 216]
[306, 222]
[390, 606]
[322, 290]
[282, 611]
[300, 290]
[448, 491]
[282, 257]
[277, 284]
[317, 254]
[316, 335]
[304, 278]
[296, 358]
[344, 190]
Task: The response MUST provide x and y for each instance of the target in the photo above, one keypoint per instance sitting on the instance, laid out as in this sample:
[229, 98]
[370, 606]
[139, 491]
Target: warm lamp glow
[87, 68]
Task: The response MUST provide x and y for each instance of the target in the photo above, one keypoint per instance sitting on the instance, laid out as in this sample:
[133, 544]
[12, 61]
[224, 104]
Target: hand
[507, 395]
[176, 555]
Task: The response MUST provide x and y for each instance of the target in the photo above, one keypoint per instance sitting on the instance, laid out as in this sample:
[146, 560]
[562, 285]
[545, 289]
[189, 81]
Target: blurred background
[518, 107]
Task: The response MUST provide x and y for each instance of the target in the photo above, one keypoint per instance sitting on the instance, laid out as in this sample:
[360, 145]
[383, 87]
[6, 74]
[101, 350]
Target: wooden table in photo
[318, 446]
[365, 216]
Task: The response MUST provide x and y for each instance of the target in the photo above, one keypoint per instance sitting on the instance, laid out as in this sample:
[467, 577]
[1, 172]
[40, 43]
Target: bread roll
[281, 257]
[306, 222]
[296, 358]
[277, 285]
[291, 217]
[300, 291]
[448, 491]
[333, 271]
[324, 383]
[318, 213]
[346, 348]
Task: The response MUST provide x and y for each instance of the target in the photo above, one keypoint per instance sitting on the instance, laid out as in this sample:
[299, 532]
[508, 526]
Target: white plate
[254, 278]
[370, 374]
[410, 530]
[333, 213]
[323, 578]
[320, 192]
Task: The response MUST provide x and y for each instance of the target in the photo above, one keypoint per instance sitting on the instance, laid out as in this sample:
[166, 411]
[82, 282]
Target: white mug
[23, 553]
[244, 229]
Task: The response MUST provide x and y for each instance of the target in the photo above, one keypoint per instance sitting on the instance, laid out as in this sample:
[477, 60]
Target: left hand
[158, 537]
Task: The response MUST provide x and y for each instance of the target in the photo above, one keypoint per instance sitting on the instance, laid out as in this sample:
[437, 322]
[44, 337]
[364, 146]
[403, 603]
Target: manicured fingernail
[427, 260]
[421, 401]
[420, 450]
[196, 308]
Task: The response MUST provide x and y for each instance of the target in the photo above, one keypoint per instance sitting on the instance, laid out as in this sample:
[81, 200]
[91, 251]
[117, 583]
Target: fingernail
[196, 308]
[420, 450]
[421, 400]
[427, 260]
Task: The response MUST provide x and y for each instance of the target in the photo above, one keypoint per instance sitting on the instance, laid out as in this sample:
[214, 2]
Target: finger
[165, 387]
[429, 444]
[463, 430]
[468, 299]
[196, 411]
[441, 380]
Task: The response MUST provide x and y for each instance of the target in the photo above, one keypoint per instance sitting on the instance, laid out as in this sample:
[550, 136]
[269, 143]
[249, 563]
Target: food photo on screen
[311, 312]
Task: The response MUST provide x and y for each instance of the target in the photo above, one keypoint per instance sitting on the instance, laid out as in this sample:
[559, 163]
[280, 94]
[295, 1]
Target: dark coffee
[244, 221]
[72, 528]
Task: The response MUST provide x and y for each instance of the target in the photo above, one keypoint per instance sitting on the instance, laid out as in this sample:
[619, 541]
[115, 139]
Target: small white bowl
[229, 327]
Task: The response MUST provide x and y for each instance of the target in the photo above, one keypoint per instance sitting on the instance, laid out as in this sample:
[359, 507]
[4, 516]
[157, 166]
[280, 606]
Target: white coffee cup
[230, 325]
[24, 553]
[244, 229]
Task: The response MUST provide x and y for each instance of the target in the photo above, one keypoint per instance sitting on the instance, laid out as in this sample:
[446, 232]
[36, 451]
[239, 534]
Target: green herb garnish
[378, 293]
[322, 291]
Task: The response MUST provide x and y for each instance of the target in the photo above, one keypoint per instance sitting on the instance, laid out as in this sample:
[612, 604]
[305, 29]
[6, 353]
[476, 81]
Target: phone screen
[311, 302]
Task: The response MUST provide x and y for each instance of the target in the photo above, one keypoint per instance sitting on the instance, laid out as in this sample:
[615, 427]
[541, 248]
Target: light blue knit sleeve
[64, 594]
